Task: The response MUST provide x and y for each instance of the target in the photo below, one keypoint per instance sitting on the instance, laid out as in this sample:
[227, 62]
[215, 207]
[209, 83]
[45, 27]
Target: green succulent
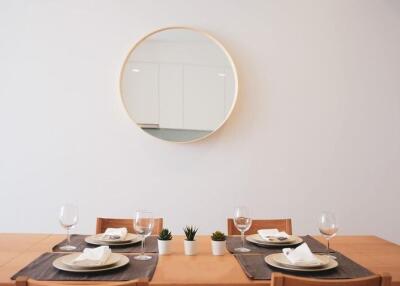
[218, 236]
[190, 232]
[165, 234]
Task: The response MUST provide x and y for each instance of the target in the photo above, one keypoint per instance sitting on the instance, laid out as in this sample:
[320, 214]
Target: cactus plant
[218, 236]
[190, 232]
[165, 234]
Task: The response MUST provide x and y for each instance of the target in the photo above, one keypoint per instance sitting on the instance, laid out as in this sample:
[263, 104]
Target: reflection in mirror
[178, 84]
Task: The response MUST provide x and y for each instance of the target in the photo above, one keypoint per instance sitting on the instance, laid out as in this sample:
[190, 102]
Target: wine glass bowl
[143, 225]
[144, 228]
[242, 221]
[68, 218]
[328, 233]
[328, 228]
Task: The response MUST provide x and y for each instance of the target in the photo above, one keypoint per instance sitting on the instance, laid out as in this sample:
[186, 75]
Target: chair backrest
[103, 223]
[280, 224]
[25, 281]
[279, 279]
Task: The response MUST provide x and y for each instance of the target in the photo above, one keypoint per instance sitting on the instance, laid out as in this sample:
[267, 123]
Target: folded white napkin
[301, 255]
[267, 234]
[93, 256]
[116, 232]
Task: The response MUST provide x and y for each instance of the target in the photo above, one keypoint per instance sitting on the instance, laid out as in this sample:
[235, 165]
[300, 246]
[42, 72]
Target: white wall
[317, 125]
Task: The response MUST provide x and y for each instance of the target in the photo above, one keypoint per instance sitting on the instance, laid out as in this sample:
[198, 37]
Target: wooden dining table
[374, 253]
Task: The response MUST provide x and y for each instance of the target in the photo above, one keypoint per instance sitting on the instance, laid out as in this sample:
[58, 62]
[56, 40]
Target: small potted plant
[190, 243]
[164, 241]
[218, 243]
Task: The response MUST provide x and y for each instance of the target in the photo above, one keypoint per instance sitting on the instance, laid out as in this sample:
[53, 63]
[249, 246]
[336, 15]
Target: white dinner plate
[68, 260]
[271, 261]
[282, 260]
[100, 237]
[274, 240]
[255, 238]
[92, 240]
[61, 266]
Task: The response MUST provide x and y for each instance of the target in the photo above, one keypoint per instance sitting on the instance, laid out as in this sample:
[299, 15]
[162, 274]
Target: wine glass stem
[143, 245]
[328, 249]
[68, 237]
[242, 236]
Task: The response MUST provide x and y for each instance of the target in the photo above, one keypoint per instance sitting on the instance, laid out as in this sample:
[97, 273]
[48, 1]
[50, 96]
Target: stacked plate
[101, 239]
[274, 241]
[279, 260]
[66, 263]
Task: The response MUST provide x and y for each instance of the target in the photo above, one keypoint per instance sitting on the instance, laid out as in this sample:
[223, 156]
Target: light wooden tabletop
[376, 254]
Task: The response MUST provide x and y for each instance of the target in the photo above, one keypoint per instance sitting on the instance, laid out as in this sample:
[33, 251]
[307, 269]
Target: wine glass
[68, 218]
[242, 221]
[328, 228]
[144, 223]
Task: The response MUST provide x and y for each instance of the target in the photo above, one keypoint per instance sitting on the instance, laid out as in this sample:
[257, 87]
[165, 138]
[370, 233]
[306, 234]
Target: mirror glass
[179, 84]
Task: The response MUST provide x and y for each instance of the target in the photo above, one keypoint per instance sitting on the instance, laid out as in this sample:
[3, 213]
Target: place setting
[119, 239]
[301, 259]
[273, 238]
[270, 250]
[264, 240]
[91, 260]
[114, 237]
[97, 264]
[100, 261]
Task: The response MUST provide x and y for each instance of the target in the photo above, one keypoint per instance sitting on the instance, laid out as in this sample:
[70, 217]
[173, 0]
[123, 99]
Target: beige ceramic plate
[274, 240]
[92, 240]
[129, 237]
[282, 259]
[255, 238]
[270, 260]
[61, 266]
[68, 260]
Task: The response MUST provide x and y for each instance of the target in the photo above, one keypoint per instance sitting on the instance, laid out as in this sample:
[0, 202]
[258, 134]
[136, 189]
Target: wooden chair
[25, 281]
[103, 223]
[280, 224]
[279, 279]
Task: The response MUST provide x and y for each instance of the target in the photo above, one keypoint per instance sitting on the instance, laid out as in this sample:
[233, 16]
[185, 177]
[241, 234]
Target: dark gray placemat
[233, 242]
[151, 245]
[256, 268]
[42, 269]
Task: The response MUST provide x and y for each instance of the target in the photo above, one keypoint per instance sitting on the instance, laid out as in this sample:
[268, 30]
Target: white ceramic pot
[164, 247]
[190, 247]
[218, 247]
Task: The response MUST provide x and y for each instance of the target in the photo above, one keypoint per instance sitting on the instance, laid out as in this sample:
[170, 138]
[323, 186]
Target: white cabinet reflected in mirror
[179, 84]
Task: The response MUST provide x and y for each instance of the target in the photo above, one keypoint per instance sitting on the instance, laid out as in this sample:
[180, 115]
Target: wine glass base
[242, 249]
[142, 257]
[68, 247]
[332, 256]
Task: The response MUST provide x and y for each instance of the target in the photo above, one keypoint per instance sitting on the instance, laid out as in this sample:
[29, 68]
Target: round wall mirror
[179, 84]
